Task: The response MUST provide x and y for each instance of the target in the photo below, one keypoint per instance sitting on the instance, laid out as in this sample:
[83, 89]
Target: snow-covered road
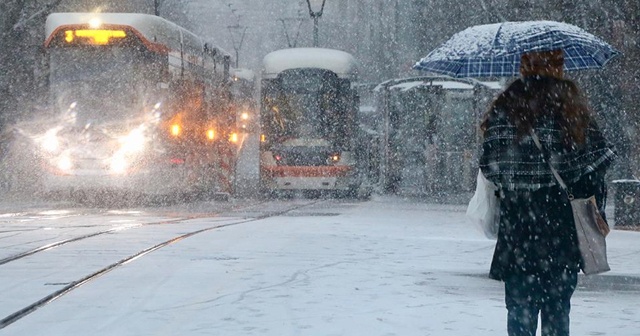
[388, 266]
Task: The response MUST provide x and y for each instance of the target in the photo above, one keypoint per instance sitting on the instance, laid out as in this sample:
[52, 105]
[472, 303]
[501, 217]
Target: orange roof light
[95, 36]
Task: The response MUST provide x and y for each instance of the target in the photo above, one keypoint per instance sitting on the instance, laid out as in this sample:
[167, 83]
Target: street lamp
[315, 15]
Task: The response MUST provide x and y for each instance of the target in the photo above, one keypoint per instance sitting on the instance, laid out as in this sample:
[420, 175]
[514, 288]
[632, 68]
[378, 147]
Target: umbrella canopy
[494, 50]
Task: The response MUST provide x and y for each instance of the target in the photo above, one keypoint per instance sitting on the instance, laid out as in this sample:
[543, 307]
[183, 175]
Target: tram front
[308, 120]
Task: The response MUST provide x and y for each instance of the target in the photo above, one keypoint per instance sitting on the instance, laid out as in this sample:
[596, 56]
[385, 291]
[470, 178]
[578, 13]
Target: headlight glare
[64, 163]
[119, 164]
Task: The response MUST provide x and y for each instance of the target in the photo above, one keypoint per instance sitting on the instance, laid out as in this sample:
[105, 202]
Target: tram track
[25, 311]
[63, 242]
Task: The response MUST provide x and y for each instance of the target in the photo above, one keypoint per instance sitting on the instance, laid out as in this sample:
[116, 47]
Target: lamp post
[315, 15]
[156, 8]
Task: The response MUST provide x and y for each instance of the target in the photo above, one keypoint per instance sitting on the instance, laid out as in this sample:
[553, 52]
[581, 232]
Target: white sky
[385, 267]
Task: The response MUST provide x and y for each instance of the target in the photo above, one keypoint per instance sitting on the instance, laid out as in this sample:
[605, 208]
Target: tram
[309, 133]
[137, 103]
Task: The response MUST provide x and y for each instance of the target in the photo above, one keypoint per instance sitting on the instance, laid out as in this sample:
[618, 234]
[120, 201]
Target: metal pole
[237, 46]
[315, 16]
[156, 10]
[315, 30]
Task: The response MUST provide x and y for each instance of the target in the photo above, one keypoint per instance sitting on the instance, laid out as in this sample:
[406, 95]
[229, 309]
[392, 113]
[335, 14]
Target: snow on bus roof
[341, 63]
[153, 28]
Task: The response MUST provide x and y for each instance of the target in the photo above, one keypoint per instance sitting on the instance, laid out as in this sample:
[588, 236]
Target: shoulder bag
[591, 228]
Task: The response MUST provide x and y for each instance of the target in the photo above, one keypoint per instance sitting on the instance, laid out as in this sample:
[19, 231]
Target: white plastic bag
[483, 209]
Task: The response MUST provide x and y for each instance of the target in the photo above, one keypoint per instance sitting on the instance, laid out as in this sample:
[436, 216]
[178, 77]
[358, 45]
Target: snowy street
[388, 266]
[304, 167]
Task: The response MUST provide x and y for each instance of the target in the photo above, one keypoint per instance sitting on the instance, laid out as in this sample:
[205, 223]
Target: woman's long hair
[528, 99]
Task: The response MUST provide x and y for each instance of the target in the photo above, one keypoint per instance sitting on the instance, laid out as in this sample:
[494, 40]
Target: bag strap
[553, 170]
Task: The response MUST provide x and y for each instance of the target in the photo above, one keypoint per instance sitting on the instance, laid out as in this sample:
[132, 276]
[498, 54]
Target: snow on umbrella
[494, 50]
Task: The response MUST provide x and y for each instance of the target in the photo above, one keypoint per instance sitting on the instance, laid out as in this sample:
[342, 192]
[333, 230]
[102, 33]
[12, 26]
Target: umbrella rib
[495, 39]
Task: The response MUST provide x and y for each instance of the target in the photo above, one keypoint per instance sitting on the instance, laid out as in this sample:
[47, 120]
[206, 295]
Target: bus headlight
[64, 163]
[134, 142]
[118, 165]
[49, 141]
[51, 146]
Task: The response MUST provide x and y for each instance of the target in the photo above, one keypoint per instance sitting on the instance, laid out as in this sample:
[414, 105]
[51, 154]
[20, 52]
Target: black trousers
[548, 295]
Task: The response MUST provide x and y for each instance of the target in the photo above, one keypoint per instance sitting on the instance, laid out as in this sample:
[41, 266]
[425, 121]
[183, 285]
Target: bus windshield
[100, 84]
[308, 104]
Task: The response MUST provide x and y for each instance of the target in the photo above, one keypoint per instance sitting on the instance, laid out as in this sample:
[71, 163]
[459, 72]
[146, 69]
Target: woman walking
[536, 253]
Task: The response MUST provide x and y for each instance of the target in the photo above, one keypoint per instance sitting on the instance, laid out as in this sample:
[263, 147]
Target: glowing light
[176, 130]
[119, 164]
[263, 138]
[244, 116]
[68, 36]
[233, 137]
[133, 142]
[157, 106]
[64, 163]
[95, 23]
[51, 146]
[211, 134]
[49, 140]
[335, 158]
[95, 36]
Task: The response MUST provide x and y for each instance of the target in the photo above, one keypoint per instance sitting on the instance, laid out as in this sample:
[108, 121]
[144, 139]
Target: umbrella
[494, 50]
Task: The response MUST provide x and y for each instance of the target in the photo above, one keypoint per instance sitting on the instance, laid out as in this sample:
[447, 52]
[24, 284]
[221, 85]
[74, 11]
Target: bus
[308, 119]
[137, 103]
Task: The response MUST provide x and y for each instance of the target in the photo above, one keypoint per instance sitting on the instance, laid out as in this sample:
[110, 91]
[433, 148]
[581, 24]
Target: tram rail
[30, 308]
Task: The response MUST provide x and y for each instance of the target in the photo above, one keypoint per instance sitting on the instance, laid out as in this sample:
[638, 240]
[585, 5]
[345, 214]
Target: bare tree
[21, 27]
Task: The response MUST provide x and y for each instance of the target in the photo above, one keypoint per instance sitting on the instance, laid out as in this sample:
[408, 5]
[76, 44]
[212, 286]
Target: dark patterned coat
[537, 232]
